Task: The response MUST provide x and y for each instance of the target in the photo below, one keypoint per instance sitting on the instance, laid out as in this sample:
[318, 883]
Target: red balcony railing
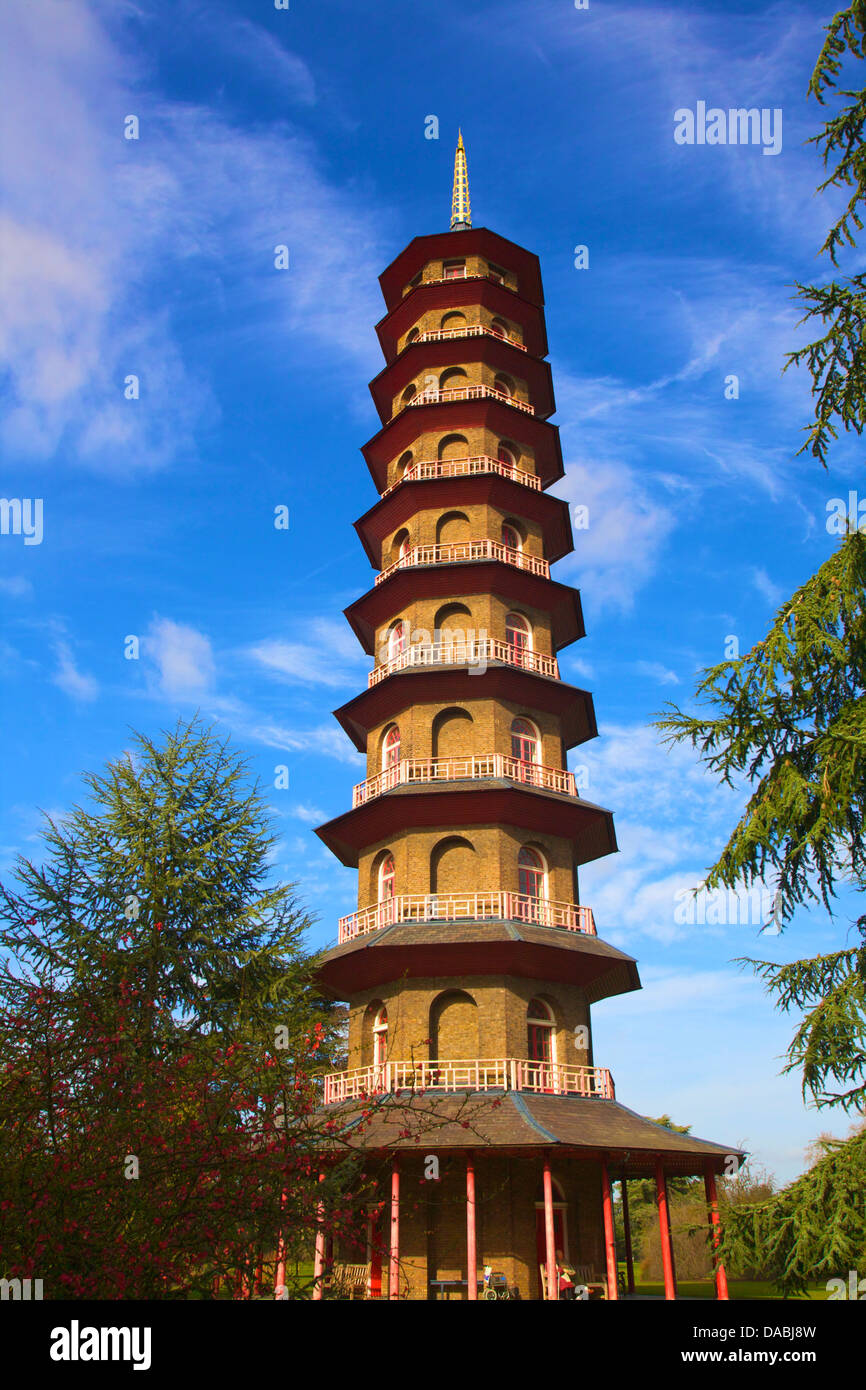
[478, 767]
[483, 1074]
[475, 907]
[469, 330]
[460, 552]
[463, 467]
[466, 393]
[480, 650]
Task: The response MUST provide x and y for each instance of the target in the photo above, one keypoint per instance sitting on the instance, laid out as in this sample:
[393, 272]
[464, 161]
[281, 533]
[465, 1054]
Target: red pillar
[716, 1226]
[609, 1232]
[471, 1255]
[319, 1265]
[280, 1280]
[549, 1235]
[626, 1222]
[394, 1264]
[665, 1231]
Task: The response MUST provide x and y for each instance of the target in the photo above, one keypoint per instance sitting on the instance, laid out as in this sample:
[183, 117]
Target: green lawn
[737, 1289]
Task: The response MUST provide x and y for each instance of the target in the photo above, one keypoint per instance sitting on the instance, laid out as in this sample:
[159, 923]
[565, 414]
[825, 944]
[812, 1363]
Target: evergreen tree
[160, 1034]
[812, 1229]
[790, 716]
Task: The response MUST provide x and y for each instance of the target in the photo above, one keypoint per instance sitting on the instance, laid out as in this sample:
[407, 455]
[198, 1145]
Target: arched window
[408, 394]
[539, 1032]
[530, 874]
[453, 446]
[402, 545]
[506, 455]
[391, 747]
[452, 377]
[525, 741]
[404, 462]
[503, 386]
[500, 328]
[518, 635]
[386, 878]
[511, 537]
[380, 1038]
[413, 335]
[397, 640]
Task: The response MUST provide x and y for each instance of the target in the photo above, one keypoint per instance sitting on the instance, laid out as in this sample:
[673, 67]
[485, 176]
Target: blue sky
[306, 127]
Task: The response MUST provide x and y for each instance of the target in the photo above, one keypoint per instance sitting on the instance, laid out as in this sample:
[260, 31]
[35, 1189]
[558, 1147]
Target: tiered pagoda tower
[471, 965]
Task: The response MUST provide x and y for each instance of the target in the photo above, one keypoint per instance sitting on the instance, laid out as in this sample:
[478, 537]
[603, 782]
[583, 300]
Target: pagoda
[471, 966]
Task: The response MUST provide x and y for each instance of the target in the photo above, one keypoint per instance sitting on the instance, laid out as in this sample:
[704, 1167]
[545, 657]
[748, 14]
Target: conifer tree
[790, 716]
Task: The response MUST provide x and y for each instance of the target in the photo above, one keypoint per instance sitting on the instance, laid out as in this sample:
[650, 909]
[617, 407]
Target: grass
[738, 1289]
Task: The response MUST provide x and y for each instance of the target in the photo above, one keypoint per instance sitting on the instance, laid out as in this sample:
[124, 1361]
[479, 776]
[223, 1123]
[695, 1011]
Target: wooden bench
[583, 1275]
[349, 1281]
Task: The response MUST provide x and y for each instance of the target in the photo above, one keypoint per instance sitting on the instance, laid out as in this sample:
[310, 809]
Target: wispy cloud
[773, 593]
[86, 247]
[71, 681]
[329, 655]
[16, 586]
[657, 672]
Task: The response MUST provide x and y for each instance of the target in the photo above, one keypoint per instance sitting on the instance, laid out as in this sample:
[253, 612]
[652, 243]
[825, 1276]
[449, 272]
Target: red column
[665, 1231]
[280, 1281]
[549, 1235]
[471, 1256]
[609, 1232]
[626, 1222]
[394, 1265]
[716, 1225]
[319, 1265]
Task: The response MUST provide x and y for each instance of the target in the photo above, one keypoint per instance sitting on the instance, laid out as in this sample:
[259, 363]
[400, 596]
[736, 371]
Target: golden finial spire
[461, 215]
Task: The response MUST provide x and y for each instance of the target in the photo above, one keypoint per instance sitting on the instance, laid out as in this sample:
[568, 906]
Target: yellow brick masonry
[444, 443]
[440, 1018]
[486, 862]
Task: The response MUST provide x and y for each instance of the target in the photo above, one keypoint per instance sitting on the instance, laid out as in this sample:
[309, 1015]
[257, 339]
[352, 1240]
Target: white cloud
[766, 588]
[16, 587]
[93, 223]
[311, 815]
[326, 658]
[678, 819]
[657, 672]
[270, 61]
[691, 991]
[68, 677]
[627, 530]
[327, 739]
[182, 658]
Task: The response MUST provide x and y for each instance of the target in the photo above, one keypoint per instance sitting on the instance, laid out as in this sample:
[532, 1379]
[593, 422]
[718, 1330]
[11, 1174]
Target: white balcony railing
[479, 652]
[472, 906]
[469, 330]
[483, 1074]
[478, 767]
[460, 552]
[464, 467]
[467, 393]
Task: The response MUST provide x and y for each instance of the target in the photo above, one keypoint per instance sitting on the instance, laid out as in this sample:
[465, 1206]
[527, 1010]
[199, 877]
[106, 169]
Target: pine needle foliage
[836, 360]
[790, 716]
[813, 1228]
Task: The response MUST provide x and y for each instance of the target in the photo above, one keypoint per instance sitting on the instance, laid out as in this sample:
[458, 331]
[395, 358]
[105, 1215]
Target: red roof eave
[589, 827]
[386, 600]
[389, 513]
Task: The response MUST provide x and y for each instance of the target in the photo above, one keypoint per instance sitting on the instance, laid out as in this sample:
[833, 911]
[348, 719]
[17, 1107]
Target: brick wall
[488, 1019]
